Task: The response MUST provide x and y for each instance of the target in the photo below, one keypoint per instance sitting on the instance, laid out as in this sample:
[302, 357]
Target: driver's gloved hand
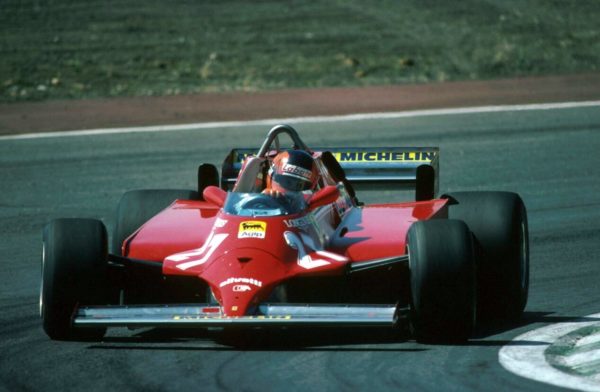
[272, 193]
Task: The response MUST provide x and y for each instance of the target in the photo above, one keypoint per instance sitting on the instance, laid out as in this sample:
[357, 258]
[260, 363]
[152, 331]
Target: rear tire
[442, 281]
[74, 261]
[208, 175]
[498, 221]
[137, 207]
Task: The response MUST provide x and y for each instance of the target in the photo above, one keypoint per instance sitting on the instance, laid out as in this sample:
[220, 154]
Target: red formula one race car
[279, 239]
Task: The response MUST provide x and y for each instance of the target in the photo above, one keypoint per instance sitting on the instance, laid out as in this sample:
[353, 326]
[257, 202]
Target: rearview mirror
[325, 196]
[214, 195]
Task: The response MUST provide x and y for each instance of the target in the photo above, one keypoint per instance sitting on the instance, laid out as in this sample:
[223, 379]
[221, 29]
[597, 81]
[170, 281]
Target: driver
[292, 171]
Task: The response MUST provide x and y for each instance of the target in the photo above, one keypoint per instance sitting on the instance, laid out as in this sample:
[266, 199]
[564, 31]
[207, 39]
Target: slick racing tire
[498, 220]
[442, 281]
[137, 207]
[74, 262]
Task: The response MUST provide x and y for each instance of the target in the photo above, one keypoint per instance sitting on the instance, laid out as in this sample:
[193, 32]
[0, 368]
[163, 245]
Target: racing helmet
[293, 171]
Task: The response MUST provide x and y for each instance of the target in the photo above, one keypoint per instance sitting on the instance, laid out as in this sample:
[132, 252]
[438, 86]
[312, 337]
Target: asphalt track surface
[550, 157]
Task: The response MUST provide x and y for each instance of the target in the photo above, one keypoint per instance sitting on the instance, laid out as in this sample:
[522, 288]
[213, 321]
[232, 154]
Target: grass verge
[104, 48]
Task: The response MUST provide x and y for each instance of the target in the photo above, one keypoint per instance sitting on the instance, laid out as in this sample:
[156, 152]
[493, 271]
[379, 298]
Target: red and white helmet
[293, 171]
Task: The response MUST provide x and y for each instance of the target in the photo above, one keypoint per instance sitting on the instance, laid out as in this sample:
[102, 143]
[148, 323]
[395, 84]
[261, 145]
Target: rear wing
[369, 167]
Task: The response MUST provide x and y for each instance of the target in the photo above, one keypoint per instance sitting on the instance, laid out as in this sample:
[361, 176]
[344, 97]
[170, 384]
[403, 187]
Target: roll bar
[273, 135]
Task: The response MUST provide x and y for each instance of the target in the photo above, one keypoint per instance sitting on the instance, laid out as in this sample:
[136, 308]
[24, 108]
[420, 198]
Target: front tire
[74, 261]
[498, 221]
[208, 175]
[442, 281]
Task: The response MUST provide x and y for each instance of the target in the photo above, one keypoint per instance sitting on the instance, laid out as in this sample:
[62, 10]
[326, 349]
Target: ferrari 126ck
[280, 239]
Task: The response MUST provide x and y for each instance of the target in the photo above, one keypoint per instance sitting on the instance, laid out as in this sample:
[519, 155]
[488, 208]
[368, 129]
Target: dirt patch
[125, 112]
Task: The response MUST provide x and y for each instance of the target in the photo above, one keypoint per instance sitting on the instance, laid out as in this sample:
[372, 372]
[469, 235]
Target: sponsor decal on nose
[247, 281]
[252, 229]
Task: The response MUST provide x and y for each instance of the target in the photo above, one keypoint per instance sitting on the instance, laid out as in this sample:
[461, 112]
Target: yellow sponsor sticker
[384, 156]
[252, 229]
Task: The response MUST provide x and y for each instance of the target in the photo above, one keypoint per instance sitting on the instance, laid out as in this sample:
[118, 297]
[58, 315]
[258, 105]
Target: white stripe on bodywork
[304, 259]
[211, 244]
[301, 242]
[332, 255]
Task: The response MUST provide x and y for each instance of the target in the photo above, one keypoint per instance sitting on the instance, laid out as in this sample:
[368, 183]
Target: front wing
[269, 315]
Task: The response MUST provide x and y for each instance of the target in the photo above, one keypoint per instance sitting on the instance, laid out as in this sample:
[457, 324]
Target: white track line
[525, 357]
[313, 119]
